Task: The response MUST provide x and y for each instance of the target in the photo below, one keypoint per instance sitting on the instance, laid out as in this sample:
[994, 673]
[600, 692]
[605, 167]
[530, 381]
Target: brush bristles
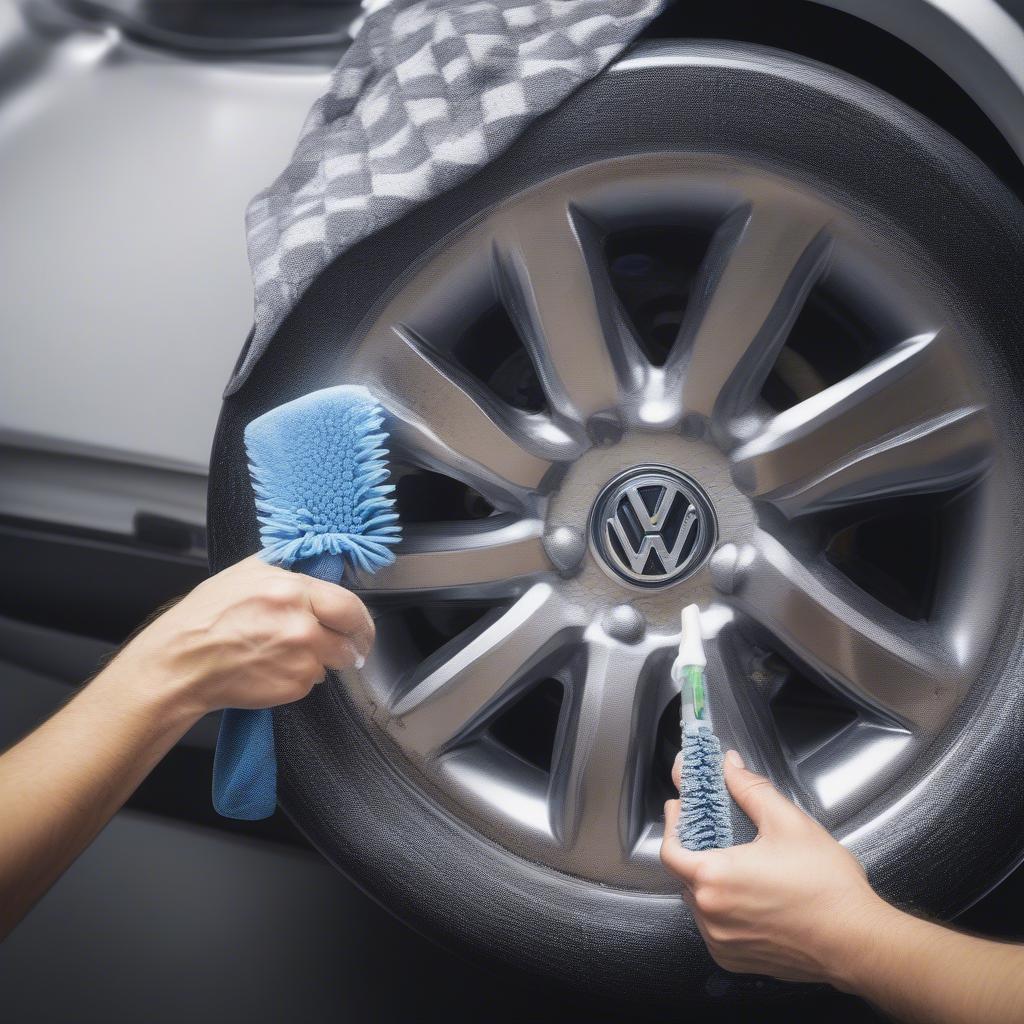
[328, 494]
[705, 821]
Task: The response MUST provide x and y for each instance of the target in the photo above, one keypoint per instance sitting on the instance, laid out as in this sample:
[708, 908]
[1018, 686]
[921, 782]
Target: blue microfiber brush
[705, 820]
[318, 470]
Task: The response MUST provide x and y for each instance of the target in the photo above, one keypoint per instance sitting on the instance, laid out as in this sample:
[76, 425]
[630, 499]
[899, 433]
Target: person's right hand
[253, 636]
[793, 904]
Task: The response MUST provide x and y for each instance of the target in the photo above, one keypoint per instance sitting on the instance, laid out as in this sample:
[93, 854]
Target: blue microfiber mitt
[318, 470]
[705, 821]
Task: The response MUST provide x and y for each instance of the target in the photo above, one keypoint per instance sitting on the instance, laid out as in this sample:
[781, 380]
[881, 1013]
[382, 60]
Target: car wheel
[778, 312]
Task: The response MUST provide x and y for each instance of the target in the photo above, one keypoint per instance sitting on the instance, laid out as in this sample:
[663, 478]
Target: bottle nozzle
[688, 672]
[691, 642]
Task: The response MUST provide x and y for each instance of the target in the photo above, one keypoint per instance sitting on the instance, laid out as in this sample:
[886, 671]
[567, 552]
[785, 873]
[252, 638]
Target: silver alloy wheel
[911, 421]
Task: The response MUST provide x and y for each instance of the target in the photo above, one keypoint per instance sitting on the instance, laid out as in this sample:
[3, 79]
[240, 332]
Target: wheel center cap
[651, 527]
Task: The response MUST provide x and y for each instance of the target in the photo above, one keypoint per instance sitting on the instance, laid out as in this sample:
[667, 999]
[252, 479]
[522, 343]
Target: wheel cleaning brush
[318, 470]
[705, 819]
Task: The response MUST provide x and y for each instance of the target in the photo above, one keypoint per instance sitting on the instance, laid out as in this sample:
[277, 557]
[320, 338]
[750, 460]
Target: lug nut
[728, 565]
[605, 429]
[625, 623]
[723, 568]
[565, 546]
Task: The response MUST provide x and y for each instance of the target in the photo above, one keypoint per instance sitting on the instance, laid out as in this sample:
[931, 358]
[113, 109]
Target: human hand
[252, 636]
[792, 904]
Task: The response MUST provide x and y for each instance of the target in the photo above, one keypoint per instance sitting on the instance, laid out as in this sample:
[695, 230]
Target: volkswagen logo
[652, 526]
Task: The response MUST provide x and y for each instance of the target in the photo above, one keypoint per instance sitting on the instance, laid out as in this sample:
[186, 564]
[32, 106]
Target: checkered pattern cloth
[428, 92]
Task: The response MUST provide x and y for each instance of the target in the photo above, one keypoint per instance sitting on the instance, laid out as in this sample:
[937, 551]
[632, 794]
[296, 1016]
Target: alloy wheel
[698, 319]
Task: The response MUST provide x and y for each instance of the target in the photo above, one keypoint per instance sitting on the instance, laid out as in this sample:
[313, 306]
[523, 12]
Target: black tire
[941, 207]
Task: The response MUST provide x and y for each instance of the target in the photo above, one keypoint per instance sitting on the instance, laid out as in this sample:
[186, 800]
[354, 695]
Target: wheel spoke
[448, 419]
[594, 776]
[853, 764]
[905, 423]
[548, 289]
[759, 269]
[490, 557]
[875, 657]
[458, 687]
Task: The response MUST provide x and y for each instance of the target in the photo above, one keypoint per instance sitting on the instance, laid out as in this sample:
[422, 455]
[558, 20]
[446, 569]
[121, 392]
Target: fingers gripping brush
[318, 470]
[705, 820]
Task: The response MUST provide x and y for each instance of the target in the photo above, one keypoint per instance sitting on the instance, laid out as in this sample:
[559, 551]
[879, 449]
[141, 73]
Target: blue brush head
[318, 470]
[705, 822]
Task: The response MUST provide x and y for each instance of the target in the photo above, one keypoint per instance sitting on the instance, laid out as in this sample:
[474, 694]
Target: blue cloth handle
[245, 762]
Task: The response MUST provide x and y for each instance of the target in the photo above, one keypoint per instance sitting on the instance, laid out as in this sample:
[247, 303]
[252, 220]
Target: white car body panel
[115, 362]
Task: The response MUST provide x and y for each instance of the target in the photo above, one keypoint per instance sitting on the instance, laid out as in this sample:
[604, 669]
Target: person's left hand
[793, 904]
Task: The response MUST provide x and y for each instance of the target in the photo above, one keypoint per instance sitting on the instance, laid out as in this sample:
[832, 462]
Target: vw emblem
[652, 526]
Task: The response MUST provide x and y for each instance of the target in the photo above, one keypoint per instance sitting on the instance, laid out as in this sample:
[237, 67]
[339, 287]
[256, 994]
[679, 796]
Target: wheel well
[859, 48]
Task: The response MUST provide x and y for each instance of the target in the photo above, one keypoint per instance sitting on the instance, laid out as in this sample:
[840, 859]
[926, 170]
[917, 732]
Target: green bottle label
[695, 680]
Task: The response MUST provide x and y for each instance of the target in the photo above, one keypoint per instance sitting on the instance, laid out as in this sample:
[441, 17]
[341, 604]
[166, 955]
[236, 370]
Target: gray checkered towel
[428, 92]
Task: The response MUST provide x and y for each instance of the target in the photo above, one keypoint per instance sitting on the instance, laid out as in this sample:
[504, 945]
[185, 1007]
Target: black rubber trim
[88, 582]
[944, 211]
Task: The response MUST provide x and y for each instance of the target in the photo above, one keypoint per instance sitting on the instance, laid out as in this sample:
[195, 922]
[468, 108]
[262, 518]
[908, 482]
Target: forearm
[252, 636]
[922, 973]
[61, 784]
